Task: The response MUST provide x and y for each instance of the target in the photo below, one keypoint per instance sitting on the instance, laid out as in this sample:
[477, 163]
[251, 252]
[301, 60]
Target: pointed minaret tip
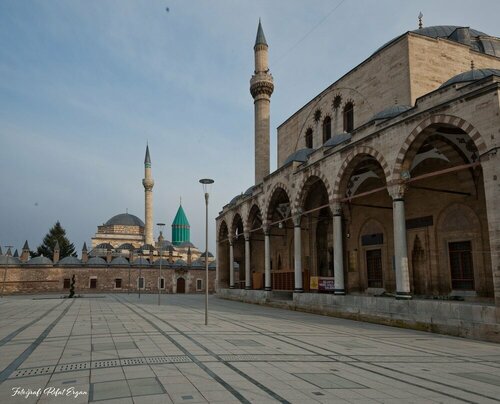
[261, 38]
[147, 158]
[26, 246]
[84, 246]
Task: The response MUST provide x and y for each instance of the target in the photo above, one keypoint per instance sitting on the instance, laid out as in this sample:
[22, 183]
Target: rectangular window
[461, 267]
[140, 283]
[67, 283]
[374, 268]
[93, 283]
[162, 283]
[118, 283]
[199, 284]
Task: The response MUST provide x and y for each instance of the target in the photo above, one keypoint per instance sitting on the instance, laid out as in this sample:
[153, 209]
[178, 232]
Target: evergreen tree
[55, 234]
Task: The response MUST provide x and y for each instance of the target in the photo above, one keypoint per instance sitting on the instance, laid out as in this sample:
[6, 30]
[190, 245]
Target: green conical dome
[180, 228]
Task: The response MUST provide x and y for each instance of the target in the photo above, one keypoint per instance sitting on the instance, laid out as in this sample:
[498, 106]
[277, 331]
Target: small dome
[390, 112]
[180, 263]
[96, 262]
[141, 262]
[300, 155]
[335, 140]
[125, 219]
[186, 244]
[147, 247]
[126, 246]
[165, 244]
[235, 199]
[210, 255]
[119, 262]
[69, 262]
[471, 75]
[212, 265]
[249, 191]
[164, 263]
[198, 264]
[104, 246]
[39, 261]
[8, 260]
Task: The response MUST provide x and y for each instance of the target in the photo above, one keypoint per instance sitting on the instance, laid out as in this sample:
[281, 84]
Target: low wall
[462, 319]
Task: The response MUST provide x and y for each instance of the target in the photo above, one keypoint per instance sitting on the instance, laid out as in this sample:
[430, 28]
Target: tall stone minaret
[261, 88]
[148, 184]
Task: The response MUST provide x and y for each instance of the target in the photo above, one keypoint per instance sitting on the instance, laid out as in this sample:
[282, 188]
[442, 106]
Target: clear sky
[85, 84]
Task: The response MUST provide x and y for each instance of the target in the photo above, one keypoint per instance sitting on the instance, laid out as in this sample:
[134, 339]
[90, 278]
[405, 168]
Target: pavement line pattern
[13, 334]
[4, 375]
[229, 365]
[232, 390]
[254, 327]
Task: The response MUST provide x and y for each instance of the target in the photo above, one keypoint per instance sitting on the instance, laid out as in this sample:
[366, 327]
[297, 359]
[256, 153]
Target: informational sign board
[326, 284]
[313, 283]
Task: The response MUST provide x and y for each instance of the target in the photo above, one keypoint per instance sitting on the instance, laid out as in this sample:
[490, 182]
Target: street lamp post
[207, 183]
[8, 247]
[160, 228]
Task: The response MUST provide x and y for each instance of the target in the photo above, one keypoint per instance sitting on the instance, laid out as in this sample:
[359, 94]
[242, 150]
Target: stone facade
[401, 205]
[57, 279]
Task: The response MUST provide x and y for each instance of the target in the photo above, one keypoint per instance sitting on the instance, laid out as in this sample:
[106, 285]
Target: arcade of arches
[417, 227]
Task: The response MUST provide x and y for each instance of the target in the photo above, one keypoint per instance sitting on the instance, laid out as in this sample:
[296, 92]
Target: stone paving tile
[263, 354]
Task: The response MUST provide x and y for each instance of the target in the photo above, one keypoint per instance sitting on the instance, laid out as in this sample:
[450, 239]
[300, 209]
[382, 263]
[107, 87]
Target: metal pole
[128, 289]
[139, 281]
[206, 258]
[159, 280]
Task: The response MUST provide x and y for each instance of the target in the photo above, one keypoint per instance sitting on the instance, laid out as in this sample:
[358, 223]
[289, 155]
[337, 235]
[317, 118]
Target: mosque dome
[390, 112]
[337, 139]
[119, 262]
[164, 263]
[96, 262]
[39, 261]
[141, 262]
[69, 261]
[126, 246]
[125, 219]
[198, 264]
[8, 260]
[180, 263]
[471, 75]
[300, 155]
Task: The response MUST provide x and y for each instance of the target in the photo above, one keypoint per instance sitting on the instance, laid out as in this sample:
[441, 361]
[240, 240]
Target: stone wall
[476, 321]
[51, 279]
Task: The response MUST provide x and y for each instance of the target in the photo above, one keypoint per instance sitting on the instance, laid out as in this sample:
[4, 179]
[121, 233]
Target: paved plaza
[122, 349]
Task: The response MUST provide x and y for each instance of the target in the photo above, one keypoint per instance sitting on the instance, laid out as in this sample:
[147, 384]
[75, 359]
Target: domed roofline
[125, 219]
[471, 75]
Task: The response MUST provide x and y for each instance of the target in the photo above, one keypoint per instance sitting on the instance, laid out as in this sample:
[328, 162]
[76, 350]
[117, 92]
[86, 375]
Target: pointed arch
[268, 200]
[303, 188]
[427, 124]
[349, 164]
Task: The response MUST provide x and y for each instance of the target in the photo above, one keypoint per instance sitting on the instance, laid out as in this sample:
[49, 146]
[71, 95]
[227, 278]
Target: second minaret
[148, 184]
[261, 88]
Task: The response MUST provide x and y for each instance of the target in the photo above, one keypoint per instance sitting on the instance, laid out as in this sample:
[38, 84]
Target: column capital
[336, 208]
[397, 191]
[246, 235]
[296, 217]
[266, 229]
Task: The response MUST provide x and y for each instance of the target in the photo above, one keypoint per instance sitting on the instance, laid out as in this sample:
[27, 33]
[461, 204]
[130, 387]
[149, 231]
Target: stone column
[231, 265]
[248, 279]
[297, 244]
[267, 259]
[400, 247]
[489, 165]
[338, 250]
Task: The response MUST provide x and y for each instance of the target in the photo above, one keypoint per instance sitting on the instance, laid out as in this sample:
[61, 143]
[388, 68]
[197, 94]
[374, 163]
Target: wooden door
[181, 285]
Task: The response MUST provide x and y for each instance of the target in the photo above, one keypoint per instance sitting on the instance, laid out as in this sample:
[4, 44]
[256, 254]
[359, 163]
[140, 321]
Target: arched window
[348, 117]
[327, 129]
[309, 138]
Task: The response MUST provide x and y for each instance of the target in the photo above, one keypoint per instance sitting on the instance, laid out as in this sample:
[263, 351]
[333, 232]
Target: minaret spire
[261, 88]
[148, 184]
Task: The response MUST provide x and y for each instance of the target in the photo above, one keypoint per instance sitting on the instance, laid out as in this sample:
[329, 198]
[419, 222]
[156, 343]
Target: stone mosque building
[387, 187]
[124, 257]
